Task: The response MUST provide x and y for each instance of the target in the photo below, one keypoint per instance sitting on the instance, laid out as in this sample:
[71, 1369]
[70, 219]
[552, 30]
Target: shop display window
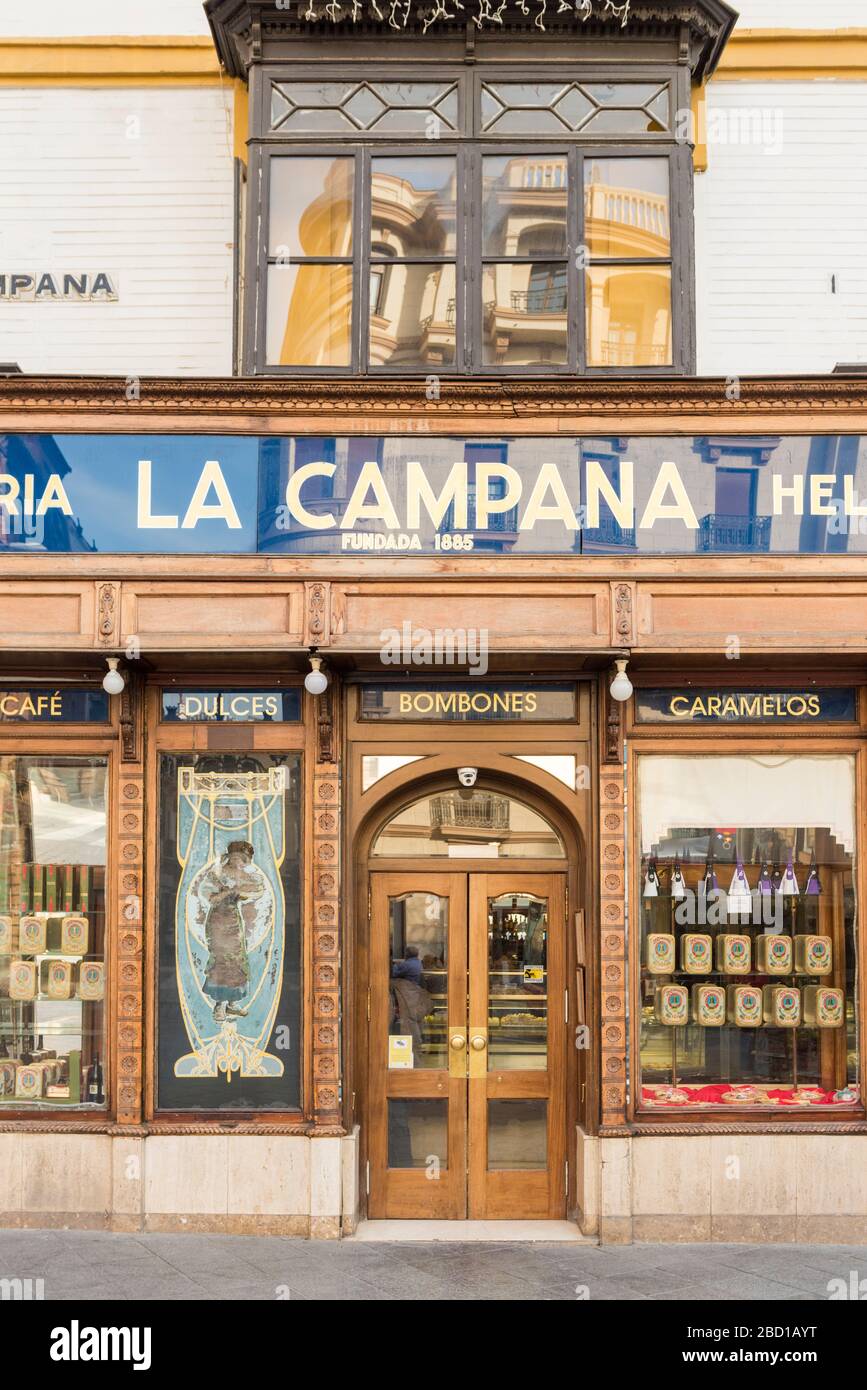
[52, 932]
[748, 912]
[229, 905]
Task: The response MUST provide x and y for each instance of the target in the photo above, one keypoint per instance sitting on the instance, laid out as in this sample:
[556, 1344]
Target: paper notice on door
[400, 1052]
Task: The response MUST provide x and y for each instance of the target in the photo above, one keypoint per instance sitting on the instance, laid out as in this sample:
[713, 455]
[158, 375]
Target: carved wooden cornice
[474, 398]
[245, 30]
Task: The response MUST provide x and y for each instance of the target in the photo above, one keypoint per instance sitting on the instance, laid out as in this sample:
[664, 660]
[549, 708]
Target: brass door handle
[479, 1042]
[457, 1041]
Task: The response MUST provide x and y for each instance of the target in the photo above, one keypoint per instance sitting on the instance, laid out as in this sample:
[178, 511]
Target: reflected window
[469, 823]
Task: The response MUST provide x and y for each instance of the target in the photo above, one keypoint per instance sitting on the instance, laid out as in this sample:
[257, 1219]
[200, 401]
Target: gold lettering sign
[466, 703]
[69, 704]
[746, 706]
[232, 706]
[424, 704]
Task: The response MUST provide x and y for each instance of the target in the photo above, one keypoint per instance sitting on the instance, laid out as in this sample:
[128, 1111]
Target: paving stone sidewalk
[78, 1265]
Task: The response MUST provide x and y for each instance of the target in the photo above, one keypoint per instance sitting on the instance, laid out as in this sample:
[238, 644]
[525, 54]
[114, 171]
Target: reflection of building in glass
[525, 283]
[30, 461]
[628, 283]
[310, 299]
[734, 524]
[412, 298]
[500, 532]
[608, 453]
[322, 495]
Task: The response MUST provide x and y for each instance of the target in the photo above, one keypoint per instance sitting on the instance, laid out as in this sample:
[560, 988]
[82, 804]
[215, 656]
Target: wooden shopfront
[471, 885]
[362, 849]
[745, 948]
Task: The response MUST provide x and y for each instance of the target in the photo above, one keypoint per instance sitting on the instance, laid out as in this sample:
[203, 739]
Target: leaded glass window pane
[396, 108]
[555, 108]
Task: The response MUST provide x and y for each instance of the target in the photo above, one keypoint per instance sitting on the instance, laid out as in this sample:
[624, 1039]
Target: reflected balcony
[484, 814]
[718, 532]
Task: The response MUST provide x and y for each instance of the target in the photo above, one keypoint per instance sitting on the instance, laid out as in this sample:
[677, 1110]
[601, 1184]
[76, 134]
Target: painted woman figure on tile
[230, 920]
[231, 893]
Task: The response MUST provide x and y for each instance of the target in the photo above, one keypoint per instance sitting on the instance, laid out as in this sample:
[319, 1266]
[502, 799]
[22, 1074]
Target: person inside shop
[410, 968]
[412, 1002]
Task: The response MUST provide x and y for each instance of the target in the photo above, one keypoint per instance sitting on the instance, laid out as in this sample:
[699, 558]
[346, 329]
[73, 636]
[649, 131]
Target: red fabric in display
[746, 1096]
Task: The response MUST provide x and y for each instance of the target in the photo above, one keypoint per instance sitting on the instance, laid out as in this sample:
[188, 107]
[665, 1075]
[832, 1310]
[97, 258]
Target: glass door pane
[517, 1135]
[418, 979]
[417, 1046]
[517, 1138]
[517, 982]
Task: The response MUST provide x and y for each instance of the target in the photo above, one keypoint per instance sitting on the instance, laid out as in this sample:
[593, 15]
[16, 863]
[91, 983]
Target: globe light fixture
[113, 681]
[621, 686]
[316, 681]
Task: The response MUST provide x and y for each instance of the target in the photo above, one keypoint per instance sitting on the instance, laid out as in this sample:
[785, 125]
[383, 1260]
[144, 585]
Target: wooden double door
[467, 1037]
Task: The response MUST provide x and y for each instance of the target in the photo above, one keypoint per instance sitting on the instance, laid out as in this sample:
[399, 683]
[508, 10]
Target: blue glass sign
[393, 496]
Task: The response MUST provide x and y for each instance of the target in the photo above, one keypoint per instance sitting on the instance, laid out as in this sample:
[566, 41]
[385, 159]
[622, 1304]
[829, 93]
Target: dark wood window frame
[470, 148]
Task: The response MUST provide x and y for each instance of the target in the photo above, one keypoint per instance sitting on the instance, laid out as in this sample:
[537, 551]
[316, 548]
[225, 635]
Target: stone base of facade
[755, 1189]
[744, 1189]
[285, 1185]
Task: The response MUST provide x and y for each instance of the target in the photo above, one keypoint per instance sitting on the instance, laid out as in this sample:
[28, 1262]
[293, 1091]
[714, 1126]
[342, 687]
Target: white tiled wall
[57, 17]
[137, 182]
[777, 218]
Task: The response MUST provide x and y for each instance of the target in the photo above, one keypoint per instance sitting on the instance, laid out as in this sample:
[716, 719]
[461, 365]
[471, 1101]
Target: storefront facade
[258, 969]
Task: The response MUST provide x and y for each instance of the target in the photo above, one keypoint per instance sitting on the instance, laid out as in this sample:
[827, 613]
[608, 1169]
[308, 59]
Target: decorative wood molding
[246, 31]
[128, 949]
[107, 608]
[613, 731]
[613, 1025]
[622, 610]
[131, 717]
[317, 614]
[326, 751]
[326, 948]
[508, 399]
